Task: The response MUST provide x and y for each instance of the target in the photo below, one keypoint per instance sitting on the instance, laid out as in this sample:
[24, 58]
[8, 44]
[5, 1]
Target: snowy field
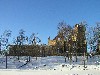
[50, 65]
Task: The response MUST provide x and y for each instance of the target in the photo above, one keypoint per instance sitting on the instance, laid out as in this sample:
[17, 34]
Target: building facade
[75, 43]
[80, 38]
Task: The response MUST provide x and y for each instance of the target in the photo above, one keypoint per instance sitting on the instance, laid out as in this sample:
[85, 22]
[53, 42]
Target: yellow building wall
[51, 42]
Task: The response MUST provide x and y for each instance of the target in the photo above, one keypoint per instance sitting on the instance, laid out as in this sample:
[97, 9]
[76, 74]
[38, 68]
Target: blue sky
[43, 16]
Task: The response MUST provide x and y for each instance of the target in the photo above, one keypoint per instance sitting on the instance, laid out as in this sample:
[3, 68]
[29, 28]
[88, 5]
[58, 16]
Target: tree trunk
[6, 61]
[76, 56]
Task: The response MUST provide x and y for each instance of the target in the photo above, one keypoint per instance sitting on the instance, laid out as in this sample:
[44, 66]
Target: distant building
[56, 44]
[80, 38]
[51, 42]
[56, 40]
[77, 41]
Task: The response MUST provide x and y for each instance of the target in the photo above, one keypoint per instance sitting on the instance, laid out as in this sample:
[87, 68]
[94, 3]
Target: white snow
[50, 65]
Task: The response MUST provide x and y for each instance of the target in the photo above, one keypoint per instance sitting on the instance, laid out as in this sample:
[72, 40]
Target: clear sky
[43, 16]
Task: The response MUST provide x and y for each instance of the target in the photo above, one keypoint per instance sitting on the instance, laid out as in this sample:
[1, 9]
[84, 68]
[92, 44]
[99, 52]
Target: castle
[77, 41]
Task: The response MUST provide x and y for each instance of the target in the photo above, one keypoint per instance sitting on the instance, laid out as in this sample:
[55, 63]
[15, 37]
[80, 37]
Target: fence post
[6, 60]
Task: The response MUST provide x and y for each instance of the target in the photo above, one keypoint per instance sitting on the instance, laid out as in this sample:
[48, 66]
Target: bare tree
[64, 32]
[34, 39]
[4, 40]
[19, 41]
[21, 37]
[96, 35]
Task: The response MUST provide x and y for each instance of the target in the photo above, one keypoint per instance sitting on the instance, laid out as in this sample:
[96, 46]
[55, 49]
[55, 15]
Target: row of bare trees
[65, 31]
[94, 38]
[92, 35]
[88, 36]
[20, 40]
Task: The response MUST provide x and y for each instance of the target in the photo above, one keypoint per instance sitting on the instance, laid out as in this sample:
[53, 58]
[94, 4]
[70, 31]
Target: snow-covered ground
[50, 65]
[50, 72]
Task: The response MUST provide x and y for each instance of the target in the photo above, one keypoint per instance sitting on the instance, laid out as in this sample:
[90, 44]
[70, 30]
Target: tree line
[92, 35]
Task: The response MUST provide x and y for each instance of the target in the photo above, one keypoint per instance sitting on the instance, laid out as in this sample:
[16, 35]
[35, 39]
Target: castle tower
[80, 38]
